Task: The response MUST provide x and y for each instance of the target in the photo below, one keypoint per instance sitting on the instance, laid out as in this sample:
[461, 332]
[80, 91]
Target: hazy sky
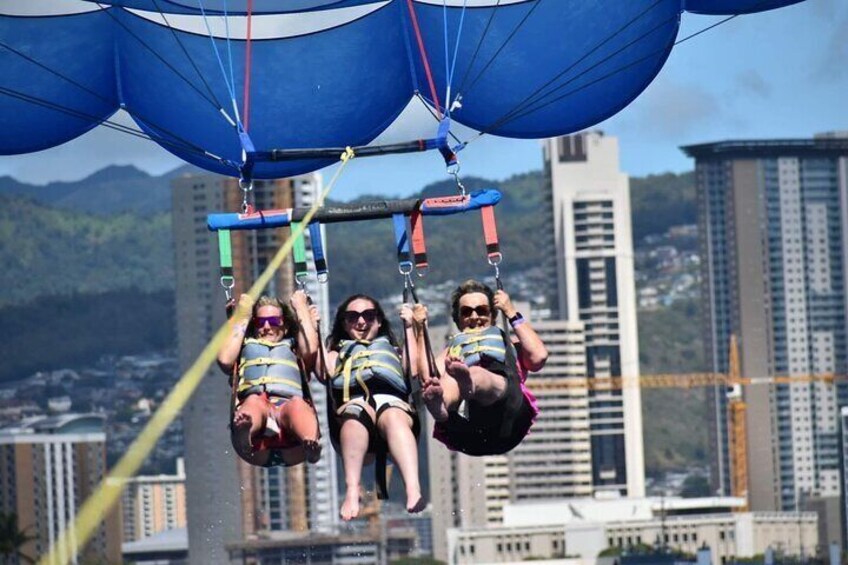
[778, 74]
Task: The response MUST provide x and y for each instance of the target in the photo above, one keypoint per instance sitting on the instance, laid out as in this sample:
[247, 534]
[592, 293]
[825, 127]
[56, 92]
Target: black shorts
[494, 429]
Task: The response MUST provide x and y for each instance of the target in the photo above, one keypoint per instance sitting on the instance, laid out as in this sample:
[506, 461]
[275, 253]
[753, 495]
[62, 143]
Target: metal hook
[453, 170]
[246, 187]
[228, 283]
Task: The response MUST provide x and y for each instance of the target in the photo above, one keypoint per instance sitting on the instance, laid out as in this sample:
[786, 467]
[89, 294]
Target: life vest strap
[246, 385]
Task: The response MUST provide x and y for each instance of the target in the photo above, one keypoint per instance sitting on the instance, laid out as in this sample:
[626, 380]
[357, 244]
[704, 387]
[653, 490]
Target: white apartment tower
[590, 225]
[229, 501]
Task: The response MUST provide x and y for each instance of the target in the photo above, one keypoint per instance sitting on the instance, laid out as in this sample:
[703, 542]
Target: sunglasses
[352, 316]
[481, 311]
[273, 321]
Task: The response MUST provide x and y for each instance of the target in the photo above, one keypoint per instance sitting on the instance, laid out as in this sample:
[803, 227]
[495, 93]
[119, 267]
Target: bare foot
[459, 371]
[415, 503]
[434, 400]
[350, 506]
[241, 426]
[312, 447]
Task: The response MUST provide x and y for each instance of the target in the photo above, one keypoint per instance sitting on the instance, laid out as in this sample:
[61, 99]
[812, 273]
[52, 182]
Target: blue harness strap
[318, 255]
[402, 243]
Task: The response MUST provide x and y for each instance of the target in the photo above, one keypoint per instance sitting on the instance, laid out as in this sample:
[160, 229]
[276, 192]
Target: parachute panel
[305, 91]
[38, 108]
[548, 68]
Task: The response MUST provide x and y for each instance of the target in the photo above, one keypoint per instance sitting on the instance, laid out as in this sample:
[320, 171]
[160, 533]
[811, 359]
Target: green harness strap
[225, 252]
[299, 254]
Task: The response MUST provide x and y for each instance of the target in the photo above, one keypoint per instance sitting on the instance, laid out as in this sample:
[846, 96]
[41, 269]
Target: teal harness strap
[299, 254]
[225, 252]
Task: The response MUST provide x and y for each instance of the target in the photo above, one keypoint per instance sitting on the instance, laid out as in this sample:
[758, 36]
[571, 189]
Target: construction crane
[733, 383]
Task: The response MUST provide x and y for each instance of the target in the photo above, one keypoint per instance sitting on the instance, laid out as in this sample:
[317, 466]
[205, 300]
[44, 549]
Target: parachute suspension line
[503, 45]
[193, 63]
[708, 28]
[437, 118]
[531, 99]
[107, 493]
[248, 59]
[163, 60]
[97, 95]
[450, 105]
[227, 83]
[424, 60]
[230, 63]
[185, 146]
[611, 74]
[511, 115]
[461, 88]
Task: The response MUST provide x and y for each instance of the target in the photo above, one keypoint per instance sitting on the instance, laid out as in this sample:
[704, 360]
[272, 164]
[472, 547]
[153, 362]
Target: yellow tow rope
[101, 501]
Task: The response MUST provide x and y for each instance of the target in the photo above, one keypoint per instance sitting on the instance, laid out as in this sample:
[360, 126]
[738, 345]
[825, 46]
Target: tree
[12, 540]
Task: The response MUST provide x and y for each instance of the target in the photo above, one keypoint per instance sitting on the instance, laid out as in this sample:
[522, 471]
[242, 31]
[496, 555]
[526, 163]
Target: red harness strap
[419, 245]
[490, 231]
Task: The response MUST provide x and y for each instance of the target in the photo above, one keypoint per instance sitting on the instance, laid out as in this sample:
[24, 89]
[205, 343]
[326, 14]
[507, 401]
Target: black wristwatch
[516, 320]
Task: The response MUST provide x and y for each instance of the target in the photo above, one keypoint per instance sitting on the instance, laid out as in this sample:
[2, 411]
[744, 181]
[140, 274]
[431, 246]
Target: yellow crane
[733, 381]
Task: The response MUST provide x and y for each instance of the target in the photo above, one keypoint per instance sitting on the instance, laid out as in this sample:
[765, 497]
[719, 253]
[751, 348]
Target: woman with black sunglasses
[269, 352]
[371, 397]
[478, 399]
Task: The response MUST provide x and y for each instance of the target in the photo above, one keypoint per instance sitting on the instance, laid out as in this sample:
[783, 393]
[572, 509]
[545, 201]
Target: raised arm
[229, 353]
[410, 336]
[307, 333]
[533, 352]
[420, 320]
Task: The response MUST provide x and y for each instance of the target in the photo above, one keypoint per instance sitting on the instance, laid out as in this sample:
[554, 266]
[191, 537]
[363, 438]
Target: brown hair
[290, 320]
[470, 287]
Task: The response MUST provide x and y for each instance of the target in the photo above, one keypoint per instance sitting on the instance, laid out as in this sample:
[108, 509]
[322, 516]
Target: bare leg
[299, 418]
[249, 419]
[396, 426]
[476, 383]
[354, 439]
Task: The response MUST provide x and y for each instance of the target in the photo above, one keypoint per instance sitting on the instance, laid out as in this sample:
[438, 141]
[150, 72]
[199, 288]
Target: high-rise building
[229, 501]
[592, 245]
[773, 220]
[48, 467]
[153, 504]
[553, 461]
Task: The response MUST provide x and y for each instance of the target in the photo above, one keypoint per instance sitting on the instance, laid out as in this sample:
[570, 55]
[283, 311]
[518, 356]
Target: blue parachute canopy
[213, 81]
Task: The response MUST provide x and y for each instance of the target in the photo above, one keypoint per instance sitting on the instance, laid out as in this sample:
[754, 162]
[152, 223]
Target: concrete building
[229, 502]
[592, 244]
[773, 220]
[154, 504]
[48, 467]
[583, 528]
[553, 461]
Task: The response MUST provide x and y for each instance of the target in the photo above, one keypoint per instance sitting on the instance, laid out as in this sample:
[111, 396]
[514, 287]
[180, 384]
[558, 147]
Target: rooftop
[825, 144]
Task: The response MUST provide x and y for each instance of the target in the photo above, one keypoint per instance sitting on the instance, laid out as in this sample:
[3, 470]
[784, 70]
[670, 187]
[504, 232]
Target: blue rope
[456, 47]
[230, 60]
[447, 57]
[220, 62]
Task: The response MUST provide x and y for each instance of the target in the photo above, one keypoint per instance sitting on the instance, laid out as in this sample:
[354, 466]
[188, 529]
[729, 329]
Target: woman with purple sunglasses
[268, 353]
[370, 395]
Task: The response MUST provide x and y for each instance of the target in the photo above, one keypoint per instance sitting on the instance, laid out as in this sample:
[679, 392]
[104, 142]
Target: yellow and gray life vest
[269, 367]
[472, 344]
[368, 368]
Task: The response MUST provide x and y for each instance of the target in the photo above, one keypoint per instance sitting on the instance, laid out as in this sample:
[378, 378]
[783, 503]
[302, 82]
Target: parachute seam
[479, 46]
[608, 75]
[525, 106]
[109, 124]
[81, 86]
[503, 45]
[189, 57]
[158, 56]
